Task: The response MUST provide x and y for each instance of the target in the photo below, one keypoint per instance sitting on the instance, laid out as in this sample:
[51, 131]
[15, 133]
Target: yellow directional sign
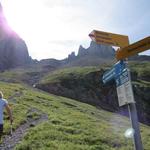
[107, 38]
[133, 49]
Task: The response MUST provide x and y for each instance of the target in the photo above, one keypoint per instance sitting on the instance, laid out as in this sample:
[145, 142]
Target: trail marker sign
[133, 49]
[109, 75]
[115, 71]
[107, 38]
[124, 88]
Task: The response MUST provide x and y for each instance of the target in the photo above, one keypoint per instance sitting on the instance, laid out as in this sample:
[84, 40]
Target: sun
[23, 16]
[31, 19]
[42, 27]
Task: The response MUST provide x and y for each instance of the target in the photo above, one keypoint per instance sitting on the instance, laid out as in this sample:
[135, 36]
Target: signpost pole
[135, 126]
[134, 121]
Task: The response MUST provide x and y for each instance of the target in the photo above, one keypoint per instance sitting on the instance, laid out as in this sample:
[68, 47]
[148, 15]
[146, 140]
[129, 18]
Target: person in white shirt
[4, 105]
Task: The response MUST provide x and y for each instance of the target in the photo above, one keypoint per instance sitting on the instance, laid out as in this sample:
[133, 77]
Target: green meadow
[71, 125]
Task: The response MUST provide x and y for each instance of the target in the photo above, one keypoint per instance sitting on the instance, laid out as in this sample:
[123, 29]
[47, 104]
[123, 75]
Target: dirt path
[10, 141]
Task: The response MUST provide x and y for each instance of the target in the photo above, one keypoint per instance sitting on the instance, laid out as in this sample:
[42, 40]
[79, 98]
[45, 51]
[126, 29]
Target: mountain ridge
[94, 55]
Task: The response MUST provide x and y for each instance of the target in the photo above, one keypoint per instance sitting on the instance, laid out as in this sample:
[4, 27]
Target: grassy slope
[16, 75]
[26, 74]
[71, 126]
[142, 69]
[57, 75]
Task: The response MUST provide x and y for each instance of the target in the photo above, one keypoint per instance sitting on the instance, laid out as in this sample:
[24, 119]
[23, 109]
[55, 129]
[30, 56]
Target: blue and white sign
[114, 72]
[109, 75]
[122, 78]
[121, 75]
[119, 67]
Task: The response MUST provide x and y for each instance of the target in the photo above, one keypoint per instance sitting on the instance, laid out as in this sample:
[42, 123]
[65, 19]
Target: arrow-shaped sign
[133, 49]
[114, 72]
[107, 38]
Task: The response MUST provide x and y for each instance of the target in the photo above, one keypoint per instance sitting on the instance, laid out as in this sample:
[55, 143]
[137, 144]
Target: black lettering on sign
[101, 41]
[102, 37]
[102, 33]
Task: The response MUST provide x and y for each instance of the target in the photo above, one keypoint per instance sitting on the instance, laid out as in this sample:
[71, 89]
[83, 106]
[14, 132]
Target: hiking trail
[10, 141]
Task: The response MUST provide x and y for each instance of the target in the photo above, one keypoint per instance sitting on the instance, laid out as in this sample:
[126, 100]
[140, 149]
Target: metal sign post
[125, 97]
[121, 74]
[135, 125]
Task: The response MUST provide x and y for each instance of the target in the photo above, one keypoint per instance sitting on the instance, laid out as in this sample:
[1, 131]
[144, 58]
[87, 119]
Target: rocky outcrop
[101, 51]
[71, 56]
[13, 50]
[95, 55]
[13, 53]
[82, 51]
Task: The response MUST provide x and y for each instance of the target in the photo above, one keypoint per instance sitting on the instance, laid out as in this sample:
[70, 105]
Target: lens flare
[129, 133]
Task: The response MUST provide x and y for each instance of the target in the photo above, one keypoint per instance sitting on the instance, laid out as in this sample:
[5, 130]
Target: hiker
[4, 104]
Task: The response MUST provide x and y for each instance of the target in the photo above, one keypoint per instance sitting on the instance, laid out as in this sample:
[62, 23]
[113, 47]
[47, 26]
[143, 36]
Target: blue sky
[55, 28]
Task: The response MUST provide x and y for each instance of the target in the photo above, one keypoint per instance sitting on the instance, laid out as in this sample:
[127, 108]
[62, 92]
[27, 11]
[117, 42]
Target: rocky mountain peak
[93, 55]
[82, 51]
[101, 51]
[13, 50]
[72, 56]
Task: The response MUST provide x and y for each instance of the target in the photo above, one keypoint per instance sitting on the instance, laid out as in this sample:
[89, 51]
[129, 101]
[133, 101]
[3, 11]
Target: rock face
[82, 51]
[98, 50]
[71, 56]
[13, 53]
[13, 50]
[94, 55]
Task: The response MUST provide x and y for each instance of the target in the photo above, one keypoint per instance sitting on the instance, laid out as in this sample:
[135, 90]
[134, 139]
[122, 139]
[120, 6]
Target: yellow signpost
[133, 49]
[107, 38]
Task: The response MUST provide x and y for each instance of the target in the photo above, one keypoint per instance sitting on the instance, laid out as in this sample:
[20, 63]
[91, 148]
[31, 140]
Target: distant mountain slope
[70, 125]
[94, 55]
[13, 50]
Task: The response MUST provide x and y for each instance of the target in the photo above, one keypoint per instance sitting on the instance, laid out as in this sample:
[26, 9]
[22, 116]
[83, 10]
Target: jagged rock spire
[4, 28]
[13, 50]
[1, 12]
[1, 7]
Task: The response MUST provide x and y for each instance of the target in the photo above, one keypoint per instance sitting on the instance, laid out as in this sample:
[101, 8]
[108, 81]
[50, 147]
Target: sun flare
[35, 23]
[23, 16]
